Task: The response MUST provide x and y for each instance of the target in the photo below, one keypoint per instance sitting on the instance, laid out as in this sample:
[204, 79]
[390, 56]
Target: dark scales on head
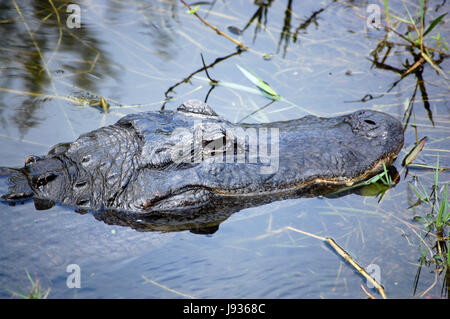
[191, 168]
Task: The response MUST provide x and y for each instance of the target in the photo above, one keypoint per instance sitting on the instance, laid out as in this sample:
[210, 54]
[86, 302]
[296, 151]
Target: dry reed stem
[239, 44]
[346, 256]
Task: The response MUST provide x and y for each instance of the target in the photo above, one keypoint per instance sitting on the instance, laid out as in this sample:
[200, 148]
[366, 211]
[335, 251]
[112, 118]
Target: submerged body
[173, 162]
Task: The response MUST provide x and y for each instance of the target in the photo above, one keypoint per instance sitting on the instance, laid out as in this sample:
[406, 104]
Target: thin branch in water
[187, 79]
[206, 70]
[207, 94]
[239, 44]
[255, 111]
[346, 256]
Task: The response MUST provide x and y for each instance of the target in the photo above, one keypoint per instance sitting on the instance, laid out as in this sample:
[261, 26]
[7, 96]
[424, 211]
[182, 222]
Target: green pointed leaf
[434, 23]
[414, 152]
[262, 85]
[442, 216]
[193, 10]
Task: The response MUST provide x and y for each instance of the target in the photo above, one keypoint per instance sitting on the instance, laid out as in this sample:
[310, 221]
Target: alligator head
[183, 163]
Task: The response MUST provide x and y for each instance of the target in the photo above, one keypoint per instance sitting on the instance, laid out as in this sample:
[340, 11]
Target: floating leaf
[262, 85]
[234, 30]
[194, 10]
[104, 104]
[414, 152]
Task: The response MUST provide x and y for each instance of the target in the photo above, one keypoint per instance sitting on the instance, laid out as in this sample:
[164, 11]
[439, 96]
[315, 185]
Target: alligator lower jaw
[377, 168]
[331, 184]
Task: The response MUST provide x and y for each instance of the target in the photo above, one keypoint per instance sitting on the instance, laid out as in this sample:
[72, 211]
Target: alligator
[167, 166]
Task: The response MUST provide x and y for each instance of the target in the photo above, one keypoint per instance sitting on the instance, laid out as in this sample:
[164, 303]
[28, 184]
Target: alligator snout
[373, 124]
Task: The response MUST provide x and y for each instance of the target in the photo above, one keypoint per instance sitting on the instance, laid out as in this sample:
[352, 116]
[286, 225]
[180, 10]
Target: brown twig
[367, 293]
[414, 66]
[361, 270]
[239, 44]
[346, 256]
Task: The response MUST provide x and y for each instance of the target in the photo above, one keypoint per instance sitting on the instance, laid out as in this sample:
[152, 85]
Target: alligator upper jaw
[19, 188]
[318, 186]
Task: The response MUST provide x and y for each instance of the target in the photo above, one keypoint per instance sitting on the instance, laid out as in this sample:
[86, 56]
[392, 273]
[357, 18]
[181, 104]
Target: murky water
[135, 54]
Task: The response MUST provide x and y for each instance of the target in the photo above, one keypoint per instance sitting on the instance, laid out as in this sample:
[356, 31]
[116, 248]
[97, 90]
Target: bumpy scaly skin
[130, 166]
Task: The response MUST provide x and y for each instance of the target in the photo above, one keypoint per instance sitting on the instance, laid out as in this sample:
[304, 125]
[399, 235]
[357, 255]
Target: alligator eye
[370, 122]
[82, 202]
[31, 159]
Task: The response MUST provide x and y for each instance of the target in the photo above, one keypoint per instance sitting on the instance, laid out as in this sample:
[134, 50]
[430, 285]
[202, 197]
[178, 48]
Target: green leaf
[194, 10]
[430, 61]
[262, 85]
[421, 13]
[436, 172]
[411, 20]
[448, 253]
[422, 198]
[386, 10]
[443, 215]
[414, 152]
[434, 23]
[105, 106]
[400, 19]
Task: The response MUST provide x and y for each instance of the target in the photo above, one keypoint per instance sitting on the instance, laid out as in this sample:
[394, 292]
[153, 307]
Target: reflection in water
[206, 219]
[416, 66]
[188, 78]
[160, 17]
[404, 72]
[37, 45]
[83, 62]
[260, 17]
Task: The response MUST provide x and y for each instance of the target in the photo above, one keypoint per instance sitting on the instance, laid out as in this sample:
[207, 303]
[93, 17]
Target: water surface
[136, 55]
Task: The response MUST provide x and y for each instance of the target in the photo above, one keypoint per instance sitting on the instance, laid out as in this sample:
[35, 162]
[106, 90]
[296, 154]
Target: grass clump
[36, 291]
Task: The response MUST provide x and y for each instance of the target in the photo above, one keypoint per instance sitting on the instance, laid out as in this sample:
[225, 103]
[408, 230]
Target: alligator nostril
[80, 184]
[41, 180]
[370, 122]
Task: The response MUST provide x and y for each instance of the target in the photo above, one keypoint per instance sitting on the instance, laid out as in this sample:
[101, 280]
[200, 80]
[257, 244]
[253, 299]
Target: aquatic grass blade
[433, 65]
[422, 14]
[419, 195]
[386, 10]
[400, 19]
[436, 172]
[230, 85]
[414, 152]
[434, 24]
[443, 214]
[411, 19]
[193, 10]
[262, 85]
[370, 181]
[448, 253]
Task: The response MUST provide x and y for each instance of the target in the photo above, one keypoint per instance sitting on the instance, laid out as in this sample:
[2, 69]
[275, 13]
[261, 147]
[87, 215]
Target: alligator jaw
[19, 189]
